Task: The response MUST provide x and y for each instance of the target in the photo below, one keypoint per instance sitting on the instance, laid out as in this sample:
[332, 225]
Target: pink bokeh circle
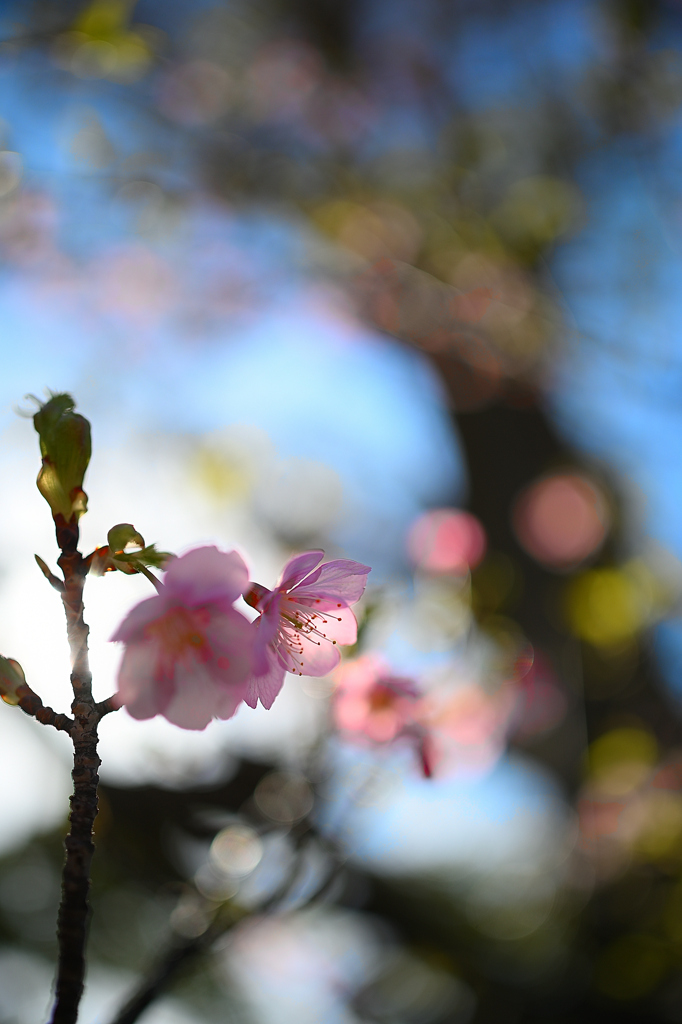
[446, 540]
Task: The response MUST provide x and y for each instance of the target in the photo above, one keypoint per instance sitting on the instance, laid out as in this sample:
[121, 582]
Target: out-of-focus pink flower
[465, 726]
[189, 654]
[371, 703]
[303, 621]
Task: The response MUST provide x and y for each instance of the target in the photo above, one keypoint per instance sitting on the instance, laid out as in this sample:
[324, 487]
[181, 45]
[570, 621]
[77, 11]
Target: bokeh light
[561, 519]
[446, 541]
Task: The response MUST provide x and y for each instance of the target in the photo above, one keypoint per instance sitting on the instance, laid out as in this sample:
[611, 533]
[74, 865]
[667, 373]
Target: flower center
[181, 630]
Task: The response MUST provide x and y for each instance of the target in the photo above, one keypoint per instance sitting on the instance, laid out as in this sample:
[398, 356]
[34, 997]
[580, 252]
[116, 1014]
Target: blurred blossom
[466, 724]
[561, 519]
[371, 703]
[446, 541]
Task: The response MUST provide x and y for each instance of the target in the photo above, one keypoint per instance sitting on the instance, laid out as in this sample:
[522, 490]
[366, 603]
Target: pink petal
[341, 579]
[266, 687]
[206, 575]
[196, 697]
[139, 617]
[230, 636]
[297, 568]
[265, 629]
[318, 658]
[136, 688]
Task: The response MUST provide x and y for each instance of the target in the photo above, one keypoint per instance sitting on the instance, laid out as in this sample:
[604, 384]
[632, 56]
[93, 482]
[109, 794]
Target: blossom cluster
[191, 656]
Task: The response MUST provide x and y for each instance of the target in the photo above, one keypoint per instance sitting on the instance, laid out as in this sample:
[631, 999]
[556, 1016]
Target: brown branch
[73, 917]
[32, 705]
[181, 951]
[53, 580]
[178, 954]
[105, 707]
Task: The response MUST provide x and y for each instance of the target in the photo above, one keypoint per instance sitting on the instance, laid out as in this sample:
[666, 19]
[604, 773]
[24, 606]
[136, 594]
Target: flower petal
[206, 576]
[136, 689]
[342, 579]
[265, 629]
[196, 699]
[318, 657]
[297, 568]
[133, 626]
[230, 636]
[266, 687]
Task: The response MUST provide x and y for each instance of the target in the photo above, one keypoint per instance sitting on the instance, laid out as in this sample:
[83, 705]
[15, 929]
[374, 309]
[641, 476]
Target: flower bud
[126, 551]
[11, 679]
[124, 536]
[65, 447]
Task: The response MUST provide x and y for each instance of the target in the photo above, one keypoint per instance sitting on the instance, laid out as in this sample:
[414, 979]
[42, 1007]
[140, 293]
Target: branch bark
[72, 923]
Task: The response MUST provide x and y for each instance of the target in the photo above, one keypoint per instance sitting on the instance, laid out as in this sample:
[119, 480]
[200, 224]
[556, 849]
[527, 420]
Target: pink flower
[371, 703]
[303, 621]
[189, 654]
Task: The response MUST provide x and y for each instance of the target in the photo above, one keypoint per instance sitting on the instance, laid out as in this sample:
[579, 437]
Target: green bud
[11, 679]
[126, 551]
[124, 536]
[65, 447]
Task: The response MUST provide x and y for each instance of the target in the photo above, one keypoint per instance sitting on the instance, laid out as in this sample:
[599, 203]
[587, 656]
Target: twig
[105, 707]
[73, 917]
[53, 580]
[32, 705]
[179, 953]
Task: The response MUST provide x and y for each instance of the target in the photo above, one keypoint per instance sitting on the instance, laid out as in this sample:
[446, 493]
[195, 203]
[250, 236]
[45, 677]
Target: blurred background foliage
[488, 195]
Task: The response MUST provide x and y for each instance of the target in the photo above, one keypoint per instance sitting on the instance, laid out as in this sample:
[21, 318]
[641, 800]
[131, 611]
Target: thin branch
[176, 956]
[180, 952]
[32, 705]
[53, 580]
[105, 707]
[74, 912]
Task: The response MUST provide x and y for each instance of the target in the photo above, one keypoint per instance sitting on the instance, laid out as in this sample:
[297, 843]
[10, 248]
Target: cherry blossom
[372, 703]
[303, 621]
[189, 654]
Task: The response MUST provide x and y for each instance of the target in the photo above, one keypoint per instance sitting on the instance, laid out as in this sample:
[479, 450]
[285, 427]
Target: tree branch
[105, 707]
[31, 704]
[73, 917]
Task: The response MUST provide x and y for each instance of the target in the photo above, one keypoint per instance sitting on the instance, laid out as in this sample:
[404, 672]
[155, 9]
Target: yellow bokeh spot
[621, 760]
[539, 209]
[102, 45]
[631, 966]
[608, 606]
[661, 826]
[223, 478]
